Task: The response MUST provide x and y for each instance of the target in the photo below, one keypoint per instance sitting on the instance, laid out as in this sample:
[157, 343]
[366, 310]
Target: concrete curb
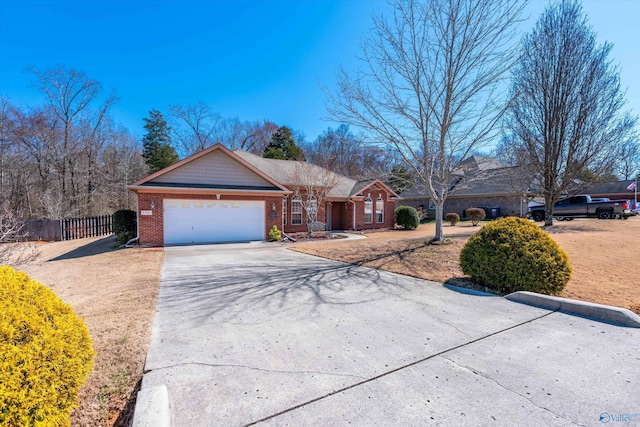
[152, 408]
[606, 313]
[468, 291]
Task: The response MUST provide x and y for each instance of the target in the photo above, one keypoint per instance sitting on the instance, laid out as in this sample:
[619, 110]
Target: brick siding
[509, 205]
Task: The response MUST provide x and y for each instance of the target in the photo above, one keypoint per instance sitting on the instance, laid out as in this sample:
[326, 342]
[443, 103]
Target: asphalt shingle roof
[608, 187]
[483, 182]
[287, 173]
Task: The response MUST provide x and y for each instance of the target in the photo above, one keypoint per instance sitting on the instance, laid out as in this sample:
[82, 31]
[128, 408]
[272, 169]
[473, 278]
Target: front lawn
[600, 251]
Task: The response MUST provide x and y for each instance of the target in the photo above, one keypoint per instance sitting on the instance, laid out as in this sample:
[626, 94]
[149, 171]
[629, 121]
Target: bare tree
[71, 96]
[313, 183]
[95, 132]
[194, 127]
[430, 84]
[249, 136]
[5, 149]
[120, 164]
[627, 161]
[33, 135]
[14, 249]
[342, 152]
[566, 110]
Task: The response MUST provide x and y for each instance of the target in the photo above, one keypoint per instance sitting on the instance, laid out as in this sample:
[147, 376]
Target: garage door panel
[197, 221]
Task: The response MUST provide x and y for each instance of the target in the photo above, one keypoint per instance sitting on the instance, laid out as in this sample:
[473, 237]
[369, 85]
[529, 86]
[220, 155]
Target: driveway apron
[258, 334]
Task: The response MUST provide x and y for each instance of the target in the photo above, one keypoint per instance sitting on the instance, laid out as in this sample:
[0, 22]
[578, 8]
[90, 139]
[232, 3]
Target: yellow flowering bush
[513, 254]
[46, 353]
[275, 234]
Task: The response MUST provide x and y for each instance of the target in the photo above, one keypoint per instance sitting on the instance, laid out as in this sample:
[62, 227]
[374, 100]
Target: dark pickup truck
[582, 206]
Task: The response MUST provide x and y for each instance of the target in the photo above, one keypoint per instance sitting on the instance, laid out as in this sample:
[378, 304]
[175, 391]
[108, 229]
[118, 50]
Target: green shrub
[475, 215]
[125, 236]
[45, 353]
[407, 217]
[513, 254]
[452, 218]
[275, 234]
[124, 221]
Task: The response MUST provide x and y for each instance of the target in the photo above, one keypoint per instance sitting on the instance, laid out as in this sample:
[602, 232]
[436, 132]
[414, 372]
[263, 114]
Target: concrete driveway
[257, 334]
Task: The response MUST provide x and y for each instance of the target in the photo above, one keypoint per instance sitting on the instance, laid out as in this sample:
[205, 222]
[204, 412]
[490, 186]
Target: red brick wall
[152, 226]
[389, 207]
[302, 228]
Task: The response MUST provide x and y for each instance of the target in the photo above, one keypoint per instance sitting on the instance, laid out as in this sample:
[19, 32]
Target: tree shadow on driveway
[292, 282]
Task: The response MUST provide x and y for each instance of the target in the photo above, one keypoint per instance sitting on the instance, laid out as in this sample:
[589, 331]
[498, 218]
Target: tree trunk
[439, 214]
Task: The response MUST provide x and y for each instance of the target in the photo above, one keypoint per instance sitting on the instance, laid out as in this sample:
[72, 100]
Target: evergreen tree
[283, 147]
[157, 150]
[400, 178]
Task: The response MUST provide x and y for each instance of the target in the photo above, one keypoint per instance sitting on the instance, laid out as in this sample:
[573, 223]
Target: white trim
[379, 200]
[354, 214]
[370, 202]
[296, 200]
[188, 190]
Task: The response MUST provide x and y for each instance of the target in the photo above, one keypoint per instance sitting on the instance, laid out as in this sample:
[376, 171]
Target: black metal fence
[70, 228]
[78, 228]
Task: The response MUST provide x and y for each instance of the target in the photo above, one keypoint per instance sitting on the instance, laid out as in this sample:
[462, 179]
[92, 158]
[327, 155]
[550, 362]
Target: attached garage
[214, 196]
[213, 221]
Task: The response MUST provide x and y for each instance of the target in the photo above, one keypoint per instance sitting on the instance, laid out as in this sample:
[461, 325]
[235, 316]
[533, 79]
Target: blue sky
[251, 59]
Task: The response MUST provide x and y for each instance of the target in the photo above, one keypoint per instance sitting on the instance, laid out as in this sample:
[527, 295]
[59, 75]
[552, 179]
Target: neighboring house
[219, 195]
[480, 182]
[618, 190]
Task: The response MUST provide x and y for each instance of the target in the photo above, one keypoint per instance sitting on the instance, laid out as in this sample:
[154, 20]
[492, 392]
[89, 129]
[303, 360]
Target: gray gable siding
[215, 168]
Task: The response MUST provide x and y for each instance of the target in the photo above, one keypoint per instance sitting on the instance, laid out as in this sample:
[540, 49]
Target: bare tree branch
[194, 127]
[566, 111]
[14, 248]
[430, 83]
[313, 183]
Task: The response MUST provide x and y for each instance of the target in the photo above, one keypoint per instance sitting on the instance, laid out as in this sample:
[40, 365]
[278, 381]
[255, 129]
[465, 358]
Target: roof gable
[215, 167]
[372, 185]
[482, 163]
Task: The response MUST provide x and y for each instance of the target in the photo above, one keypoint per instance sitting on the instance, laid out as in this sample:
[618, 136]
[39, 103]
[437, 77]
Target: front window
[368, 210]
[379, 210]
[296, 210]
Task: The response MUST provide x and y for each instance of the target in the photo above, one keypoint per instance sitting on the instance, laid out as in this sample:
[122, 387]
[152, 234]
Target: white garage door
[212, 221]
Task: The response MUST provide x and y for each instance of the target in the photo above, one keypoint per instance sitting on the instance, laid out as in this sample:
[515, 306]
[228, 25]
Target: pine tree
[157, 150]
[400, 178]
[283, 147]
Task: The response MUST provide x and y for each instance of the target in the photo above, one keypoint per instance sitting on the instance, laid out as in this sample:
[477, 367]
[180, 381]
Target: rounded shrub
[513, 254]
[124, 221]
[407, 217]
[46, 353]
[452, 218]
[475, 215]
[275, 234]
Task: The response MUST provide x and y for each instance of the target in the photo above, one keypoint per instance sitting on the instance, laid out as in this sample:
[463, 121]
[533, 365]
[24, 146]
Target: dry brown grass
[115, 292]
[601, 253]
